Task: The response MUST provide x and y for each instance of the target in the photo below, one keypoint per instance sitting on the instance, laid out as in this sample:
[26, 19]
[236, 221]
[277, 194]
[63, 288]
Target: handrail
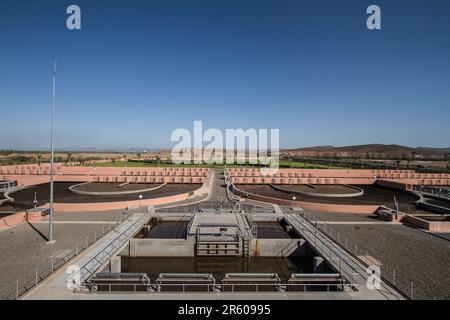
[109, 250]
[363, 275]
[249, 288]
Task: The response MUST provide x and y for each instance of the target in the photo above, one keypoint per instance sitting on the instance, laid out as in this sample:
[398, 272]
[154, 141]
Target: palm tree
[139, 156]
[125, 160]
[398, 161]
[69, 157]
[158, 159]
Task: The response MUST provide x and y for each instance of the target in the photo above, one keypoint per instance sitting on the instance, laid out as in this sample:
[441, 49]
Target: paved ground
[219, 192]
[328, 216]
[414, 254]
[24, 248]
[443, 235]
[89, 216]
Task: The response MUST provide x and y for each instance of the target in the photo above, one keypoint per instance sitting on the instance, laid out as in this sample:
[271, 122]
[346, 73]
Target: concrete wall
[358, 192]
[278, 247]
[44, 169]
[203, 191]
[314, 206]
[336, 176]
[433, 226]
[186, 248]
[433, 208]
[19, 218]
[160, 248]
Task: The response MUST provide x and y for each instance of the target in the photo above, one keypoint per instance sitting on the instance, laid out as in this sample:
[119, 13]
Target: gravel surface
[328, 216]
[414, 254]
[444, 235]
[89, 216]
[23, 248]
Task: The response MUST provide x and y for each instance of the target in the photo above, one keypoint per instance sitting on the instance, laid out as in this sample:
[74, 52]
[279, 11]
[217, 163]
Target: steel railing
[253, 287]
[392, 274]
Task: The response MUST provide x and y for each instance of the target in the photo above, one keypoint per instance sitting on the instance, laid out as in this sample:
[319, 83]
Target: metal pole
[50, 228]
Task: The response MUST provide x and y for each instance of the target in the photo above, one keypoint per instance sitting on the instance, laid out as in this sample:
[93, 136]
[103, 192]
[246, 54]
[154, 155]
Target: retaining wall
[160, 248]
[19, 218]
[432, 226]
[325, 207]
[278, 247]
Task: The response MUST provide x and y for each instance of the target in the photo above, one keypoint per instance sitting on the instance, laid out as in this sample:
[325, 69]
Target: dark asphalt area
[373, 195]
[23, 199]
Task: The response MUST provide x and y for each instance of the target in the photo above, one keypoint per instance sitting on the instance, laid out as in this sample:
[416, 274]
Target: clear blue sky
[140, 69]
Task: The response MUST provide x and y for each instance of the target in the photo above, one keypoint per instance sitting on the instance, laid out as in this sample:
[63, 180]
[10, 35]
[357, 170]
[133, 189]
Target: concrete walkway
[90, 261]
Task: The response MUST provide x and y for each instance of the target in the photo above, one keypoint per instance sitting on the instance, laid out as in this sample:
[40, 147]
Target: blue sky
[140, 69]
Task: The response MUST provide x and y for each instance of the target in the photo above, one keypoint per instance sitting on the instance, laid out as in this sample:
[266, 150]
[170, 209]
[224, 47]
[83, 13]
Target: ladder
[246, 248]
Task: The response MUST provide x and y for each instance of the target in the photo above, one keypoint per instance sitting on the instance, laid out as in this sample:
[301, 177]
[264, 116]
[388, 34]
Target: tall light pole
[50, 228]
[140, 200]
[35, 202]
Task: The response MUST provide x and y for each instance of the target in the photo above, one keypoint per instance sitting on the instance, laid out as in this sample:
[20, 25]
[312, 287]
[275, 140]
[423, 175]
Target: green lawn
[303, 165]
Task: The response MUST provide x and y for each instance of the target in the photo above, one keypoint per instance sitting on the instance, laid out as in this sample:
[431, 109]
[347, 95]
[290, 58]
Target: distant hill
[372, 150]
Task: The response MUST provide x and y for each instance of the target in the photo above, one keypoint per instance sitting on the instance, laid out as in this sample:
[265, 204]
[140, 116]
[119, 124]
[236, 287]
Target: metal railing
[397, 276]
[440, 191]
[223, 287]
[92, 266]
[328, 252]
[32, 277]
[252, 224]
